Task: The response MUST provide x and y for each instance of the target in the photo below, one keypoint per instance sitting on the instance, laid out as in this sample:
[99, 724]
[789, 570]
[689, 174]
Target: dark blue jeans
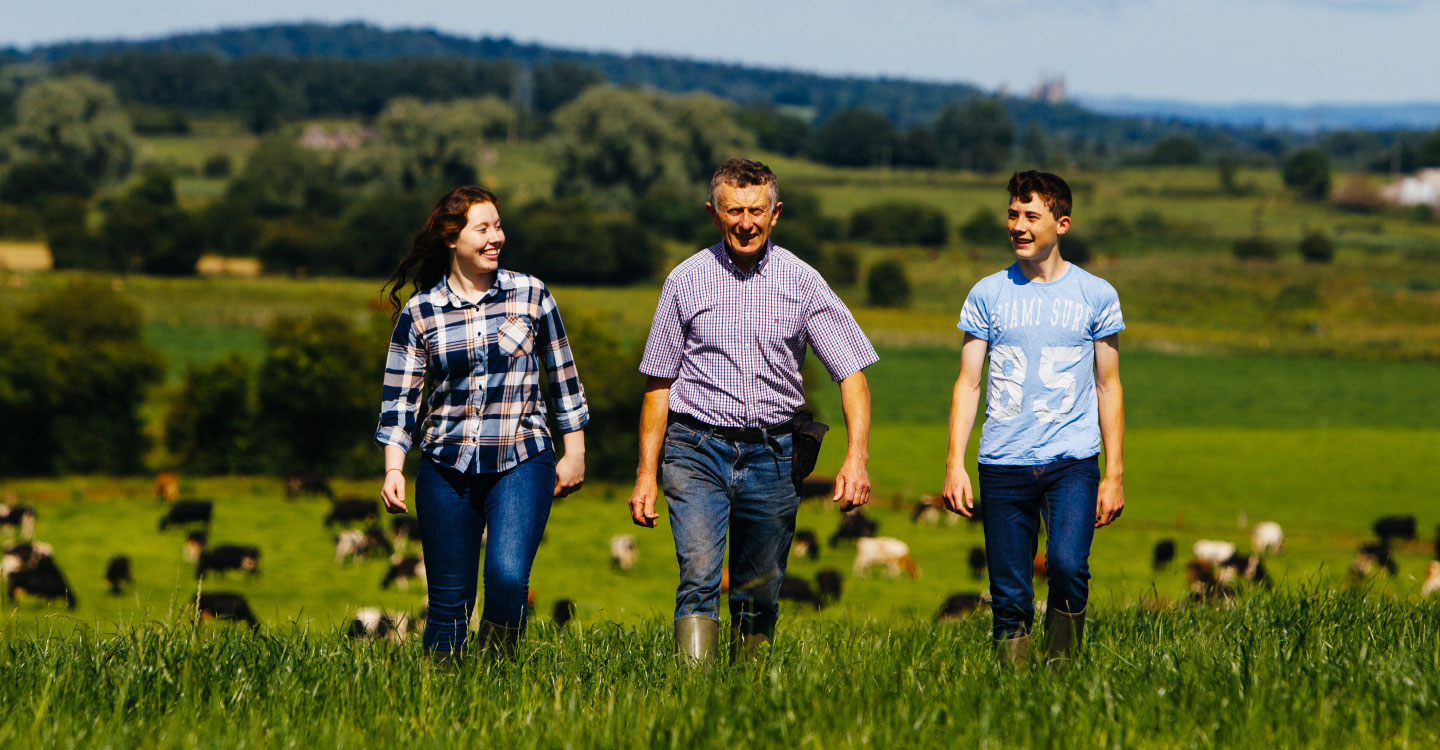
[454, 509]
[713, 485]
[1016, 498]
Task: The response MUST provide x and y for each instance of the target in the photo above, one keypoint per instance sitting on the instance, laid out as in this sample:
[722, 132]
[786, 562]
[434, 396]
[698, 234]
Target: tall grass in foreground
[1285, 670]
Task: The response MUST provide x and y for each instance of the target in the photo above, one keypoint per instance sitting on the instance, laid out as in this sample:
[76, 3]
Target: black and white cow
[805, 545]
[227, 557]
[959, 605]
[854, 525]
[977, 562]
[829, 582]
[117, 574]
[799, 590]
[41, 578]
[351, 510]
[563, 612]
[225, 605]
[19, 519]
[1390, 528]
[1162, 555]
[402, 571]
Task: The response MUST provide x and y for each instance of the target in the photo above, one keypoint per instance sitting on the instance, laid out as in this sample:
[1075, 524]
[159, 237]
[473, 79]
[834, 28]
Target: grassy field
[1307, 670]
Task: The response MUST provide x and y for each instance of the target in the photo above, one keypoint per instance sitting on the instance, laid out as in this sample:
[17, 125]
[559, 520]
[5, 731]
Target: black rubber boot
[497, 641]
[1013, 653]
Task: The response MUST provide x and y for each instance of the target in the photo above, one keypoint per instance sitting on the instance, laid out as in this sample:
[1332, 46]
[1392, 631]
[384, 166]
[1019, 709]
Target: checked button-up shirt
[482, 361]
[734, 340]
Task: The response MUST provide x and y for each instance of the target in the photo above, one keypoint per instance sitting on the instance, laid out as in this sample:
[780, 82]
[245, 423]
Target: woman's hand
[392, 491]
[569, 473]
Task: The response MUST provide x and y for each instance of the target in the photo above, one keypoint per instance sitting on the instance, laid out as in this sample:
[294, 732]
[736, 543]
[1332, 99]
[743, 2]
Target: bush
[855, 138]
[30, 183]
[302, 244]
[72, 244]
[804, 207]
[844, 266]
[613, 393]
[799, 239]
[675, 211]
[146, 231]
[21, 223]
[374, 233]
[217, 167]
[1075, 249]
[900, 223]
[1255, 247]
[566, 242]
[1175, 150]
[318, 396]
[74, 371]
[888, 285]
[982, 229]
[1307, 172]
[1316, 247]
[208, 424]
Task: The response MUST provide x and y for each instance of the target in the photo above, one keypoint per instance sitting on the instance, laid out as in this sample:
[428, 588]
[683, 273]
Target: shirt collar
[718, 250]
[441, 295]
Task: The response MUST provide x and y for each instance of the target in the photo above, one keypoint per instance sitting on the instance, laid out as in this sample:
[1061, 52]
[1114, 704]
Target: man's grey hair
[745, 173]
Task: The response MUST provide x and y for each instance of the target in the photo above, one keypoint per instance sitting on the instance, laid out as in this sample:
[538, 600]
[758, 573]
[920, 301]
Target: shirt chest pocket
[515, 337]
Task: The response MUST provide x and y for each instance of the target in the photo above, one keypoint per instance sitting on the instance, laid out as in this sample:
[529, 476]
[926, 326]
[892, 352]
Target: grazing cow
[167, 487]
[27, 554]
[307, 484]
[1267, 538]
[117, 574]
[1437, 542]
[854, 525]
[623, 552]
[42, 578]
[816, 485]
[563, 612]
[20, 519]
[1240, 567]
[376, 623]
[405, 527]
[1390, 528]
[402, 570]
[1213, 551]
[977, 562]
[195, 543]
[1370, 557]
[958, 605]
[799, 590]
[225, 605]
[188, 511]
[352, 544]
[1039, 567]
[930, 509]
[229, 557]
[352, 510]
[1432, 580]
[1163, 555]
[829, 582]
[888, 551]
[806, 545]
[1205, 586]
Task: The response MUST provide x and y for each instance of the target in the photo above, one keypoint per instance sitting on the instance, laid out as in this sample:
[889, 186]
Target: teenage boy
[1051, 332]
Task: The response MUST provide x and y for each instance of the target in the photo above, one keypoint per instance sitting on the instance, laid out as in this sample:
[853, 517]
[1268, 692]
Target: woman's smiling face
[477, 248]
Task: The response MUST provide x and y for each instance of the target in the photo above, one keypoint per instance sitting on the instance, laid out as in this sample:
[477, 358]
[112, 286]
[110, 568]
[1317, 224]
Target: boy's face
[1034, 231]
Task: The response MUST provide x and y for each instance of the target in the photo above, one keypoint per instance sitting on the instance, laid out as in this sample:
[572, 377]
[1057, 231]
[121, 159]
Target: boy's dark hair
[1048, 186]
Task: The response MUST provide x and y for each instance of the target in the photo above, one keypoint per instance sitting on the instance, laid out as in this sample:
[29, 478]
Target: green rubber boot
[497, 641]
[697, 638]
[1013, 653]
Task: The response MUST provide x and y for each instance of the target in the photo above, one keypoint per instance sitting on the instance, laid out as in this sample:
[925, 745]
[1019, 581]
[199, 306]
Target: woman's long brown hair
[429, 257]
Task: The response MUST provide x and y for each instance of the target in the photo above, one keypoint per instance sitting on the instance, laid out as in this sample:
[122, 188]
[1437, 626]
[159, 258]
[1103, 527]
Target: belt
[738, 434]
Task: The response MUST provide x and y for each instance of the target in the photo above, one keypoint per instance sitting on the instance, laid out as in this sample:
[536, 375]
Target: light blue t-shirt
[1041, 404]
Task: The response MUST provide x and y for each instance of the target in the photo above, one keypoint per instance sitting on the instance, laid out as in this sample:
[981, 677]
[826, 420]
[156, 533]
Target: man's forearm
[855, 400]
[654, 413]
[964, 401]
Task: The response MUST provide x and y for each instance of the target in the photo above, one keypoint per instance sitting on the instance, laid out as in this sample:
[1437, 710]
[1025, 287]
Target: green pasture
[1309, 669]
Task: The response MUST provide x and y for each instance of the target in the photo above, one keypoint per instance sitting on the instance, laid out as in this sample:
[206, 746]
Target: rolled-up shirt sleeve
[835, 337]
[666, 344]
[567, 394]
[404, 381]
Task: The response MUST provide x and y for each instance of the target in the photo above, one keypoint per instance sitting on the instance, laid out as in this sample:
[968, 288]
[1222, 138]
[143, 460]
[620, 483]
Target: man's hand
[569, 473]
[852, 484]
[1109, 503]
[959, 498]
[642, 501]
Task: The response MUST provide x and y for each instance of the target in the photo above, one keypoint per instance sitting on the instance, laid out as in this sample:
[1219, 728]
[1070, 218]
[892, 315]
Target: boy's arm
[1111, 500]
[964, 401]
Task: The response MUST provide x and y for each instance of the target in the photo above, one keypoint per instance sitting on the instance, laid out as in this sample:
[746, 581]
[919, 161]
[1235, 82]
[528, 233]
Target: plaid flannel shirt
[482, 361]
[734, 340]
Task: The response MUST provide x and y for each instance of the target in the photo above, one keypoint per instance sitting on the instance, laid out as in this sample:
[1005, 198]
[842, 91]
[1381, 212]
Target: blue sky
[1219, 51]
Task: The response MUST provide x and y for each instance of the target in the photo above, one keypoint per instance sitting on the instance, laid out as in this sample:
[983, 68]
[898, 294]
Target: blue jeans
[1016, 498]
[714, 485]
[454, 509]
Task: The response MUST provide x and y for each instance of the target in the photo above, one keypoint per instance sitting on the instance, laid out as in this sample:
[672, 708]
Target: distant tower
[1050, 89]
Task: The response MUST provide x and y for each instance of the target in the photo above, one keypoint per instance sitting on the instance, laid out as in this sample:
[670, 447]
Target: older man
[723, 361]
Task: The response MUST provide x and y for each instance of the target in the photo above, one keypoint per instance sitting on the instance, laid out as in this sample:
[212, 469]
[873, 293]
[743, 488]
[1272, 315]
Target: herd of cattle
[1216, 571]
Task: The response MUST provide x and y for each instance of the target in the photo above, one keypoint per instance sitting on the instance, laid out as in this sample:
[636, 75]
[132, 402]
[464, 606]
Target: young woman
[477, 334]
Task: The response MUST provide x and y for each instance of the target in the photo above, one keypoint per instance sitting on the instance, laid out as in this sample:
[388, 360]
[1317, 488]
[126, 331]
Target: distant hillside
[1302, 119]
[905, 102]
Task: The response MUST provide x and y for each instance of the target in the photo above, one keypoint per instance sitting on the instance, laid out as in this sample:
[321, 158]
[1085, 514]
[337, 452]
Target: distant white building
[1419, 189]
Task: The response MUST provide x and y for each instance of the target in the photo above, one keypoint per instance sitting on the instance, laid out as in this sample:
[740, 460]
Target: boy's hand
[1109, 503]
[958, 496]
